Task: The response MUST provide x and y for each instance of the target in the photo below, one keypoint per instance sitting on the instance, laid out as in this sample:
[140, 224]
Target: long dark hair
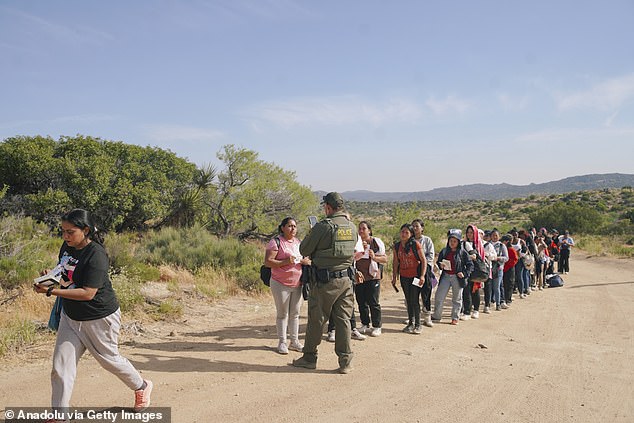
[82, 219]
[364, 222]
[411, 241]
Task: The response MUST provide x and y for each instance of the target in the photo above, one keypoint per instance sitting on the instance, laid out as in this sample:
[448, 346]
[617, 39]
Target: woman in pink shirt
[285, 261]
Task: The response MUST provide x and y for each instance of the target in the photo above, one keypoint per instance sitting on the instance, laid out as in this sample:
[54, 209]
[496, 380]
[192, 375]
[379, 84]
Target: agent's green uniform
[330, 245]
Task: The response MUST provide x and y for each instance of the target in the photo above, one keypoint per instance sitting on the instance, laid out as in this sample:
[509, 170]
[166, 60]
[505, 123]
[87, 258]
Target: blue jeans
[521, 281]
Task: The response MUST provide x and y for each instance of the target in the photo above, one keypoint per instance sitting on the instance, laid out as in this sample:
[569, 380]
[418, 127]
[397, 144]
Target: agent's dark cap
[333, 199]
[506, 237]
[487, 233]
[455, 233]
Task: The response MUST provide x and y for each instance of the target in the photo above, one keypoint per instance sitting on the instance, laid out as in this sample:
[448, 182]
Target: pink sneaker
[142, 396]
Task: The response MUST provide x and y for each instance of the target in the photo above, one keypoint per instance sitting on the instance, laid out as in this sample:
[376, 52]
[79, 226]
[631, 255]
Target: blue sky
[376, 95]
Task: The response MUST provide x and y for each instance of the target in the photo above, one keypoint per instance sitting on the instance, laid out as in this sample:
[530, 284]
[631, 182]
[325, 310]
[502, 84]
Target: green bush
[121, 248]
[26, 248]
[577, 217]
[128, 290]
[194, 248]
[248, 277]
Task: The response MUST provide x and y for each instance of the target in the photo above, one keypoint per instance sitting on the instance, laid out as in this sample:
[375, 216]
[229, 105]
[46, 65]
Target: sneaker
[408, 329]
[487, 310]
[142, 396]
[296, 346]
[475, 315]
[498, 308]
[375, 332]
[364, 329]
[282, 348]
[416, 330]
[345, 369]
[541, 288]
[504, 306]
[454, 322]
[331, 336]
[406, 322]
[356, 335]
[302, 362]
[428, 323]
[465, 317]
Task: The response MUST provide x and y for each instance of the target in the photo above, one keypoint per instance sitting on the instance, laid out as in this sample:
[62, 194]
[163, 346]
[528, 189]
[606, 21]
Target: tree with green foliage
[575, 216]
[126, 186]
[249, 196]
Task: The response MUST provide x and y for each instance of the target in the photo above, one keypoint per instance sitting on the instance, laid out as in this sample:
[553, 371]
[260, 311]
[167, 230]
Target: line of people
[483, 262]
[482, 268]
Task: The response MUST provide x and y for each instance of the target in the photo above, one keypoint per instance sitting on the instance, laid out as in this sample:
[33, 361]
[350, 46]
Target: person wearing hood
[471, 294]
[456, 266]
[509, 266]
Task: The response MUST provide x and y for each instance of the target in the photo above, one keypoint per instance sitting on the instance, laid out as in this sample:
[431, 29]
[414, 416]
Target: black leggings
[509, 283]
[367, 294]
[425, 292]
[470, 298]
[412, 295]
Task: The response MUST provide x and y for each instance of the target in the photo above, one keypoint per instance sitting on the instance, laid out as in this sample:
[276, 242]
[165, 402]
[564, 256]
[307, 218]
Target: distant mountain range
[497, 191]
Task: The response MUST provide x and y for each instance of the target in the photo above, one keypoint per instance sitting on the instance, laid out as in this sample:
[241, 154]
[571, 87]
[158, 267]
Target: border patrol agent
[330, 245]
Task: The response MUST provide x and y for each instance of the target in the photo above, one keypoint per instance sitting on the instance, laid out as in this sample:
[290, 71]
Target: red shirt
[407, 263]
[513, 258]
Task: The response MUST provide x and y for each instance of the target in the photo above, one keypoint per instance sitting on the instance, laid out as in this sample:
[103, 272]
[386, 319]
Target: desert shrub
[248, 278]
[214, 283]
[26, 248]
[577, 217]
[128, 289]
[121, 248]
[168, 309]
[615, 245]
[195, 248]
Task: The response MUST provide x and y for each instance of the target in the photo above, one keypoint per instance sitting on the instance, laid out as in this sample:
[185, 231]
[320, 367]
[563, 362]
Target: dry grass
[23, 320]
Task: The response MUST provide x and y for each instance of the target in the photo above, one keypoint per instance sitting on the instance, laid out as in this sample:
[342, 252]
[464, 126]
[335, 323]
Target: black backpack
[265, 272]
[481, 268]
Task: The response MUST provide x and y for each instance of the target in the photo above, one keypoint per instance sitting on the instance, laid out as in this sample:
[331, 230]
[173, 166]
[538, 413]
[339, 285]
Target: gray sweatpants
[101, 338]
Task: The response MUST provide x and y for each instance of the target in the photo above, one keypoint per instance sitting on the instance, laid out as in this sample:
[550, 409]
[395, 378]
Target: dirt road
[561, 355]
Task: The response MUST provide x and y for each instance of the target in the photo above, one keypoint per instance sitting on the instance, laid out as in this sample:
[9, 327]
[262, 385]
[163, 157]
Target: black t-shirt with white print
[88, 267]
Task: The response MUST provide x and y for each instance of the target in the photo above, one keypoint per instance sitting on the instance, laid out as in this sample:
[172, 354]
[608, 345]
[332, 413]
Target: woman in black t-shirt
[91, 317]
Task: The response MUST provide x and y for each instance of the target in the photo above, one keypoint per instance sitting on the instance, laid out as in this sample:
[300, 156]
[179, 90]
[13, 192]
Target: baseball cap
[333, 199]
[455, 233]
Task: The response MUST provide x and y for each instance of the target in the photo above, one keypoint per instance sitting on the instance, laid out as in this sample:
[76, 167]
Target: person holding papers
[285, 261]
[456, 266]
[370, 263]
[91, 317]
[410, 264]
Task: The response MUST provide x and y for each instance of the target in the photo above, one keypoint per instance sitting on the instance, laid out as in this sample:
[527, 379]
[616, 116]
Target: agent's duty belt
[339, 274]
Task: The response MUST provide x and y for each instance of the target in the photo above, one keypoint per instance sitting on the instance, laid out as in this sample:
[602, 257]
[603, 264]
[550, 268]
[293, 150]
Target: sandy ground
[561, 355]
